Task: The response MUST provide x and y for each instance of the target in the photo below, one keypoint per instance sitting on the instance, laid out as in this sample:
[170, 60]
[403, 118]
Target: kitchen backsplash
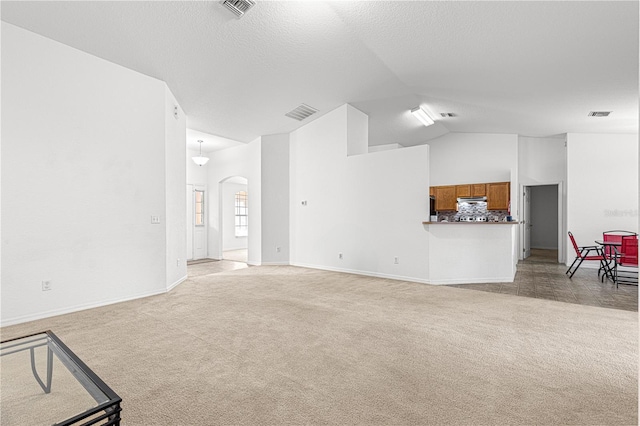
[473, 209]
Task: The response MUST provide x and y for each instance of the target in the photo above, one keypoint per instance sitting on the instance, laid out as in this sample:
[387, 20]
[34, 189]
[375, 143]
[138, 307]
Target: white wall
[83, 171]
[544, 217]
[368, 207]
[357, 132]
[243, 161]
[458, 158]
[542, 160]
[175, 190]
[229, 239]
[275, 199]
[602, 185]
[196, 175]
[385, 147]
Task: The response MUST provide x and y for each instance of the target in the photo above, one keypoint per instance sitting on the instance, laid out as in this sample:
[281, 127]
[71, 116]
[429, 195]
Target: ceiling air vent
[301, 112]
[239, 7]
[599, 113]
[447, 114]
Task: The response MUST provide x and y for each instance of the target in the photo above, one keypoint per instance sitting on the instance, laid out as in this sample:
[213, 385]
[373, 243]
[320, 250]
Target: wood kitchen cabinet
[463, 191]
[478, 190]
[432, 191]
[445, 198]
[498, 195]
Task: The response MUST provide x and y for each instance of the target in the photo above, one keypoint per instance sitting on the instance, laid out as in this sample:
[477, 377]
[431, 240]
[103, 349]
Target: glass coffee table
[42, 382]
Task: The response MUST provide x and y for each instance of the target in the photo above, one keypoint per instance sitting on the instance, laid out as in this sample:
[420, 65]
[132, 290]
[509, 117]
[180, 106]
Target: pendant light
[200, 160]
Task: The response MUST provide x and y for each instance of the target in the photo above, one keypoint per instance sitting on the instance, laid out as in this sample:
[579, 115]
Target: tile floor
[239, 255]
[542, 277]
[211, 266]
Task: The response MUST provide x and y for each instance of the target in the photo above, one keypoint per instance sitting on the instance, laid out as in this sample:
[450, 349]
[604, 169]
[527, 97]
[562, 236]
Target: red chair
[584, 253]
[626, 258]
[610, 239]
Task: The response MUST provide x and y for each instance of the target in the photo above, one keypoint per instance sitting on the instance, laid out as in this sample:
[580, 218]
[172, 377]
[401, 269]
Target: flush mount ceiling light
[421, 115]
[238, 7]
[200, 160]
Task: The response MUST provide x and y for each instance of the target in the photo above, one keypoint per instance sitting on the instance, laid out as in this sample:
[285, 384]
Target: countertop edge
[470, 223]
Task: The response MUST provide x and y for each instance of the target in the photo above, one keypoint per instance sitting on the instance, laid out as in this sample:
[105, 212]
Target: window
[242, 220]
[199, 208]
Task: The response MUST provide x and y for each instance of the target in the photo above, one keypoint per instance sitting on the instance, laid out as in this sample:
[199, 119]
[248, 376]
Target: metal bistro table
[78, 396]
[607, 250]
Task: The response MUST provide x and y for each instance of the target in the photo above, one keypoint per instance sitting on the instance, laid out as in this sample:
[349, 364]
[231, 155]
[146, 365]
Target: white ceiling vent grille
[301, 112]
[599, 113]
[239, 7]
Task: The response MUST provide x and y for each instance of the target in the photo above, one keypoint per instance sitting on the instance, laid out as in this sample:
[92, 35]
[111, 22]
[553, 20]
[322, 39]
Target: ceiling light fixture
[200, 160]
[421, 115]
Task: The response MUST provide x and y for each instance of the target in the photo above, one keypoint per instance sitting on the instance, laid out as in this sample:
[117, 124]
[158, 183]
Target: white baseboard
[175, 284]
[365, 273]
[76, 308]
[409, 279]
[275, 263]
[473, 281]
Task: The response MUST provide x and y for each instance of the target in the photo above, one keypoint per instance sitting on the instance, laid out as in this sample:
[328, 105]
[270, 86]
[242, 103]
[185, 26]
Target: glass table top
[43, 383]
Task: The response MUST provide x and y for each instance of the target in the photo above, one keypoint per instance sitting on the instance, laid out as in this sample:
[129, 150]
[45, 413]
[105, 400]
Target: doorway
[234, 219]
[196, 222]
[542, 230]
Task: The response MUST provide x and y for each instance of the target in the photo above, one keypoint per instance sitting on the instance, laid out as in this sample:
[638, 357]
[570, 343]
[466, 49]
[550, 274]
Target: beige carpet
[286, 345]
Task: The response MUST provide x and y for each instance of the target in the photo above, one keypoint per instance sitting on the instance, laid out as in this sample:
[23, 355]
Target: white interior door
[199, 224]
[526, 222]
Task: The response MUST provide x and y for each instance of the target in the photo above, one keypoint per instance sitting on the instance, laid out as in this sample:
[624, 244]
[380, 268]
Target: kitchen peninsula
[472, 252]
[472, 238]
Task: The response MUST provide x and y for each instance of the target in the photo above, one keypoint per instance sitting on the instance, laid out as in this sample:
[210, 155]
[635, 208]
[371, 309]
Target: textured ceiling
[532, 68]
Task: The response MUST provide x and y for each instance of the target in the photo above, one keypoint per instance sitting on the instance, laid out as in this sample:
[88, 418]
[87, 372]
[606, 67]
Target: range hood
[471, 200]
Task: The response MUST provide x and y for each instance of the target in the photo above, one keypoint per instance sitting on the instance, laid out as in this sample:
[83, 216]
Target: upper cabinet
[478, 190]
[498, 195]
[445, 198]
[463, 191]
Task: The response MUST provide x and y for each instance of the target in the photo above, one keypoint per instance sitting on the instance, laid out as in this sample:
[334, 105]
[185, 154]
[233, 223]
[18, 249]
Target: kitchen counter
[470, 223]
[471, 252]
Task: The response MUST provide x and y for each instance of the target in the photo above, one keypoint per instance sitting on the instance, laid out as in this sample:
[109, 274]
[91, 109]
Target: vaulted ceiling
[534, 68]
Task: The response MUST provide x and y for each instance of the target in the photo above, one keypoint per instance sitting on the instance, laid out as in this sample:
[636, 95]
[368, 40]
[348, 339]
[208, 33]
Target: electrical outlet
[396, 260]
[178, 262]
[46, 285]
[339, 255]
[155, 219]
[277, 249]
